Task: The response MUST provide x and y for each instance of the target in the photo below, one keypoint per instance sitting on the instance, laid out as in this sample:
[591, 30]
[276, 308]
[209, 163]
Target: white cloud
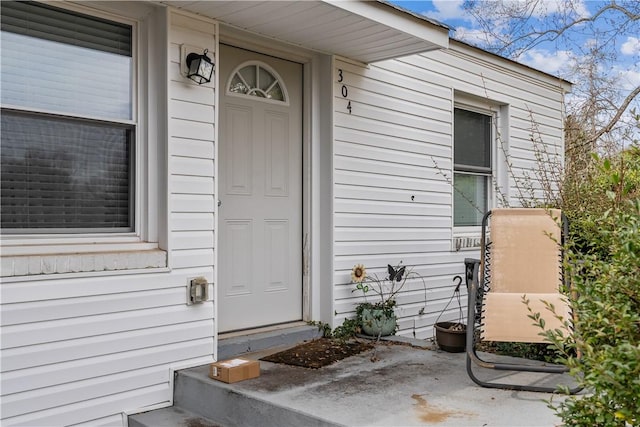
[448, 9]
[452, 10]
[590, 43]
[474, 36]
[558, 62]
[628, 79]
[544, 8]
[581, 9]
[631, 46]
[541, 9]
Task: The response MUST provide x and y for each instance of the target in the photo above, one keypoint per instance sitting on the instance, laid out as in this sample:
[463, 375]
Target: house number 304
[344, 90]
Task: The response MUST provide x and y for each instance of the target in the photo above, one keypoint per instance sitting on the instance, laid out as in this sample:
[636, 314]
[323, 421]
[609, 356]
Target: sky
[562, 57]
[549, 57]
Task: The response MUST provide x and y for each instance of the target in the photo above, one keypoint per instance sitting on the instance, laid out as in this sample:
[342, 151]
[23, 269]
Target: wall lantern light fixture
[200, 67]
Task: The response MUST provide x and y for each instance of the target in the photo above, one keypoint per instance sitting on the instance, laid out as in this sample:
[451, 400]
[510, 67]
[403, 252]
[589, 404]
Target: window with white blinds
[472, 167]
[67, 136]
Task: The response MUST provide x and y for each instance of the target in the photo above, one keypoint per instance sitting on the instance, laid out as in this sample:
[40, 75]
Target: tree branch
[617, 116]
[552, 33]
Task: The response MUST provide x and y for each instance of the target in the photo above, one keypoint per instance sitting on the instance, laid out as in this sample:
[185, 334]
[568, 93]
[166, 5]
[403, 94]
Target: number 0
[345, 91]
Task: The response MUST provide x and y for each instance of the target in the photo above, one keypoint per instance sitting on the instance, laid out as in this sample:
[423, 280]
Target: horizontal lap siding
[391, 204]
[99, 407]
[393, 166]
[192, 155]
[110, 421]
[535, 105]
[81, 350]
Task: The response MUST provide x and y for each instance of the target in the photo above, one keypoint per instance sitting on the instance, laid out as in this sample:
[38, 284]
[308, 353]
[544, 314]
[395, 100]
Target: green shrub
[607, 329]
[602, 203]
[605, 186]
[533, 351]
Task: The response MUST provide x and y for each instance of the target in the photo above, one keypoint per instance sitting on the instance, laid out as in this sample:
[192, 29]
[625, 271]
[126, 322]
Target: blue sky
[553, 58]
[568, 57]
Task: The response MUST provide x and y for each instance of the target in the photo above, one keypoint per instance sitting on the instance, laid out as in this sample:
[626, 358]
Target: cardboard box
[234, 370]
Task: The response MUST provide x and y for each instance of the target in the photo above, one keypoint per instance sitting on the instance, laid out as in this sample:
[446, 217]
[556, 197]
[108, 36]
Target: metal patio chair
[521, 254]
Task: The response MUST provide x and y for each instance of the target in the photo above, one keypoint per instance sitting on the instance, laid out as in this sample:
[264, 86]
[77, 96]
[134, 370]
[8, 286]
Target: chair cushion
[505, 316]
[525, 251]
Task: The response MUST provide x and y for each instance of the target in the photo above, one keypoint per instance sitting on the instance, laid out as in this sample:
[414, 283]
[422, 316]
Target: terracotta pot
[376, 323]
[452, 341]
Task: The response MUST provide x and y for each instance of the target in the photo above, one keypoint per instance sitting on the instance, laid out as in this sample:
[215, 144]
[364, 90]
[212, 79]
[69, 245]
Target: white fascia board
[397, 19]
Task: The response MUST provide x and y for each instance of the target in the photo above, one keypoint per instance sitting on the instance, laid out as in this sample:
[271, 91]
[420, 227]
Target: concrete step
[230, 406]
[202, 402]
[170, 417]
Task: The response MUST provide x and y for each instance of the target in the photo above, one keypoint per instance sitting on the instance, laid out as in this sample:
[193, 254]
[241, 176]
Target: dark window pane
[472, 139]
[65, 174]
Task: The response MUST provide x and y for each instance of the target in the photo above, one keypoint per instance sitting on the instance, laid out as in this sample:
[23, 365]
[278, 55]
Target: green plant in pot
[377, 317]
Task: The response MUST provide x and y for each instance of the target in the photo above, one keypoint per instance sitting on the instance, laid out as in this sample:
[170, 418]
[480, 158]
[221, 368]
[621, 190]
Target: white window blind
[55, 24]
[67, 133]
[472, 167]
[57, 61]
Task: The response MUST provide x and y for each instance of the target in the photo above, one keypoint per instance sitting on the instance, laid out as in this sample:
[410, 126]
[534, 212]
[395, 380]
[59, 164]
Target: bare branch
[540, 36]
[621, 109]
[478, 11]
[599, 102]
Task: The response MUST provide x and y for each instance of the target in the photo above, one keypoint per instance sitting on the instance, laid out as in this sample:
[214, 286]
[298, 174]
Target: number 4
[349, 107]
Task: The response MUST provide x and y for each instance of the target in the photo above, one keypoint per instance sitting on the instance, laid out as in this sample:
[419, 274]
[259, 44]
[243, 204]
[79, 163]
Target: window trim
[26, 237]
[150, 207]
[489, 173]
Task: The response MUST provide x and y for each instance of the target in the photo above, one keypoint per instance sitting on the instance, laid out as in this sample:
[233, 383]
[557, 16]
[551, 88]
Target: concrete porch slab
[403, 386]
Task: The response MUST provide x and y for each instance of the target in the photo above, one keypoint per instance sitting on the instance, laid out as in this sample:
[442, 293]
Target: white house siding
[191, 153]
[83, 348]
[393, 164]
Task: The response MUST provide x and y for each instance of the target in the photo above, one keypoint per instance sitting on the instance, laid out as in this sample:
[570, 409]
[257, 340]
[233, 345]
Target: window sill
[61, 263]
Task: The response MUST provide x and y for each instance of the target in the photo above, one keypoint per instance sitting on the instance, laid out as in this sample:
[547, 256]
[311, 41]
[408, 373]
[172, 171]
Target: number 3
[340, 76]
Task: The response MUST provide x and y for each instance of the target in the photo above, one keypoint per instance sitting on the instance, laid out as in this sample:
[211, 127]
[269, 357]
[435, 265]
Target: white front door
[260, 190]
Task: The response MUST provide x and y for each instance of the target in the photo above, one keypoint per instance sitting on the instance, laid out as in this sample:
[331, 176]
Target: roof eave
[364, 31]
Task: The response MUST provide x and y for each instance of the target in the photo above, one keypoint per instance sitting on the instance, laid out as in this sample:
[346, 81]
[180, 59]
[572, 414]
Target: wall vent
[466, 242]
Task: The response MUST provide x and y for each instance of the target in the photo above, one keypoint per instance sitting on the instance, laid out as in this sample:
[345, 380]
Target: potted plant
[451, 335]
[377, 317]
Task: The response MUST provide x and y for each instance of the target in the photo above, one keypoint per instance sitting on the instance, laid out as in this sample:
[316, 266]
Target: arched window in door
[257, 79]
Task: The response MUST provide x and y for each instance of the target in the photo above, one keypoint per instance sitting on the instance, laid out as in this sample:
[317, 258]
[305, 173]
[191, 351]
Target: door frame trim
[235, 38]
[317, 163]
